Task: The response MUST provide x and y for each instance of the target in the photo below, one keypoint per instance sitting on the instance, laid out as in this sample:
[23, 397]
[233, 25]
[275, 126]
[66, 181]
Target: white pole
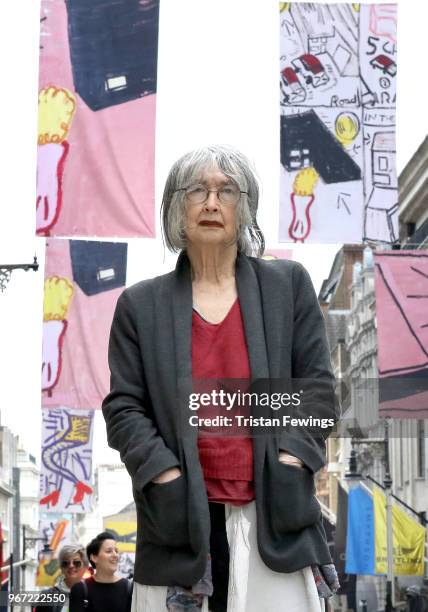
[387, 482]
[390, 544]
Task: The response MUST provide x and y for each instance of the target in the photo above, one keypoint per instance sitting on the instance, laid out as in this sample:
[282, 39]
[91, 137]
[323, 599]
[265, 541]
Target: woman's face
[212, 223]
[73, 569]
[108, 557]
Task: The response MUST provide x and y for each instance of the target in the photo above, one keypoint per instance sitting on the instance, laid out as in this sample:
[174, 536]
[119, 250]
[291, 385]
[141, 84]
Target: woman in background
[105, 591]
[73, 563]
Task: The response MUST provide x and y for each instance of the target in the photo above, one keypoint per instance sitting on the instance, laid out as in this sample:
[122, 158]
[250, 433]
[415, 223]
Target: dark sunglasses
[75, 563]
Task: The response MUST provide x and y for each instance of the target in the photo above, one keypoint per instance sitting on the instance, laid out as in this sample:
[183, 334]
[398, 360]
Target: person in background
[416, 602]
[105, 591]
[73, 563]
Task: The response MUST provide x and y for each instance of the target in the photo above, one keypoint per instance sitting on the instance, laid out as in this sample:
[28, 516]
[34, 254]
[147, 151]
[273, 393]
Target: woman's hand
[290, 459]
[167, 476]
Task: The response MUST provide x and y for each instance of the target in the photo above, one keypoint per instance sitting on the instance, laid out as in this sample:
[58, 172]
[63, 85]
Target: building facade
[335, 301]
[28, 476]
[8, 444]
[413, 189]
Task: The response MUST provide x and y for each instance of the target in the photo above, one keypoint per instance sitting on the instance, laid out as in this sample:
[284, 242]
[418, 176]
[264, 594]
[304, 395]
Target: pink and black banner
[97, 105]
[402, 327]
[83, 280]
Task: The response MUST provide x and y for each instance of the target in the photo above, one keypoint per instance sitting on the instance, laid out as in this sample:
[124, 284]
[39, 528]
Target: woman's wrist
[285, 457]
[167, 476]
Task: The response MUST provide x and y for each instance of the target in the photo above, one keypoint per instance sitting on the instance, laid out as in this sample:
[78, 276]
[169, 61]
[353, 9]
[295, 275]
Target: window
[383, 163]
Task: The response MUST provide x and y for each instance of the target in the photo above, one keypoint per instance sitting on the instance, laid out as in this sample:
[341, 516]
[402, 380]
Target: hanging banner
[401, 284]
[97, 104]
[66, 460]
[83, 280]
[56, 532]
[360, 557]
[125, 532]
[366, 549]
[337, 99]
[124, 527]
[347, 581]
[408, 540]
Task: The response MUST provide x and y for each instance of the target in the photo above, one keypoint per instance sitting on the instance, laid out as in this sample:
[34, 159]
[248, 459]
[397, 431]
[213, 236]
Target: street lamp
[45, 552]
[7, 269]
[353, 475]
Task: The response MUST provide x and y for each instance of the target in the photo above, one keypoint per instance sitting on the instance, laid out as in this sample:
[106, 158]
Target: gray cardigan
[146, 413]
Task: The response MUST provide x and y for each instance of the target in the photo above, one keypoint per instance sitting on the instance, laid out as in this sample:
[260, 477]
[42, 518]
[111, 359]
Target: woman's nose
[212, 202]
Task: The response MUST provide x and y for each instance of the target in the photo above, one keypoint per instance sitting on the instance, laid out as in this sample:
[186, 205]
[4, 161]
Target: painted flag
[56, 529]
[48, 572]
[337, 86]
[97, 106]
[83, 280]
[125, 533]
[401, 283]
[58, 533]
[360, 553]
[65, 479]
[124, 525]
[408, 537]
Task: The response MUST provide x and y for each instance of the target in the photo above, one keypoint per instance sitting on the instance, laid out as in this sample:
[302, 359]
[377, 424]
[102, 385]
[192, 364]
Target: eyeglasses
[198, 194]
[74, 562]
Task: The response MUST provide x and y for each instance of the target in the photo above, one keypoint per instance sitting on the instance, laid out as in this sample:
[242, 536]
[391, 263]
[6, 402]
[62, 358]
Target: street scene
[214, 309]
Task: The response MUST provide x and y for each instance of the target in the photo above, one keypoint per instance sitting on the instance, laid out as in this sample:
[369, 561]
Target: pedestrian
[105, 591]
[229, 518]
[416, 602]
[73, 563]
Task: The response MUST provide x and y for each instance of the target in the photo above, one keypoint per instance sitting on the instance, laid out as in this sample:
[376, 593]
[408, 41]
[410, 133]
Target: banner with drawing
[55, 531]
[66, 461]
[401, 283]
[83, 280]
[124, 527]
[97, 104]
[337, 121]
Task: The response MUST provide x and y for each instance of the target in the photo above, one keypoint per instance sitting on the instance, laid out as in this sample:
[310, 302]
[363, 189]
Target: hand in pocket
[290, 459]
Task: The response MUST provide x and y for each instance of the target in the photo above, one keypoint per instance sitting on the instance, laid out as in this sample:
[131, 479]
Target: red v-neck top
[219, 351]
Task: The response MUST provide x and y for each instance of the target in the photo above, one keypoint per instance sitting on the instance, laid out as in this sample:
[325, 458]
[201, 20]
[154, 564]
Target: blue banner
[360, 553]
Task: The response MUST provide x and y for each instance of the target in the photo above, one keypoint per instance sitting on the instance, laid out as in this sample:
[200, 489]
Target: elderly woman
[229, 518]
[73, 562]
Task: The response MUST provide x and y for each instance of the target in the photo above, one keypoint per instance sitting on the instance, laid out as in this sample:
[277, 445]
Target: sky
[233, 56]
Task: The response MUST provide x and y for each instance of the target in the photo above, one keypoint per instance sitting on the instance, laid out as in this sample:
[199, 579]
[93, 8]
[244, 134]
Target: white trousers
[253, 587]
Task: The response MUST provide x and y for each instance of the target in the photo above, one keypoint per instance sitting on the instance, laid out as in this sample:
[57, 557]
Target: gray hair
[70, 550]
[186, 171]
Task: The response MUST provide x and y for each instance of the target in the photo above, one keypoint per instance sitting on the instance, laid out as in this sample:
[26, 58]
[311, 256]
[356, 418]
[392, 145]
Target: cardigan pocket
[292, 502]
[163, 513]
